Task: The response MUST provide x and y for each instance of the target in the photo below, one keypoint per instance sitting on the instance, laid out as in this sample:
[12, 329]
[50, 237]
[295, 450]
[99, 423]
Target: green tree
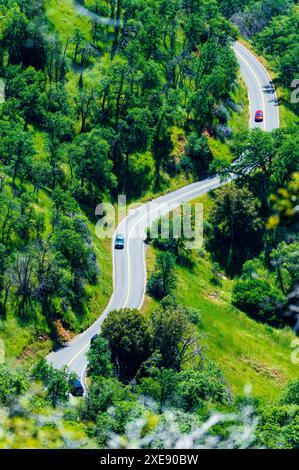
[291, 393]
[173, 337]
[91, 163]
[161, 386]
[197, 149]
[58, 387]
[260, 300]
[102, 394]
[12, 385]
[129, 337]
[285, 262]
[196, 387]
[235, 228]
[16, 150]
[163, 280]
[99, 359]
[57, 383]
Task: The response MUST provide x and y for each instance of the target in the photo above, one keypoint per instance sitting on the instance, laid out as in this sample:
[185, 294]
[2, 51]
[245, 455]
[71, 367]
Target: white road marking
[260, 86]
[83, 379]
[270, 79]
[78, 354]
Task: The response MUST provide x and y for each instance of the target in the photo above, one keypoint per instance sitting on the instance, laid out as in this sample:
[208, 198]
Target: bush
[291, 394]
[196, 387]
[12, 384]
[99, 359]
[259, 299]
[163, 280]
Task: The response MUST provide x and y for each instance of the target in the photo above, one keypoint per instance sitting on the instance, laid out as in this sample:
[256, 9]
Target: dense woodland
[103, 112]
[112, 135]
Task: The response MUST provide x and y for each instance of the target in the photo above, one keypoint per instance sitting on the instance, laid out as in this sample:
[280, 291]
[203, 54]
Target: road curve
[129, 265]
[261, 91]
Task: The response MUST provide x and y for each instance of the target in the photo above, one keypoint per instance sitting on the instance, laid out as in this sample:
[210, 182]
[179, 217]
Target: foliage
[129, 338]
[235, 227]
[163, 280]
[99, 358]
[259, 299]
[174, 338]
[291, 394]
[12, 384]
[57, 383]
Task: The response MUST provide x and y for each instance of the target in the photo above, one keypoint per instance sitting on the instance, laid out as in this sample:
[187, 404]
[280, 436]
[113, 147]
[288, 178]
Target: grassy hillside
[25, 341]
[247, 352]
[65, 20]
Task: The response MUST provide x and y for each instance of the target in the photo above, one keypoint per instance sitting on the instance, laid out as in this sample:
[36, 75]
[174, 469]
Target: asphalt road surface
[261, 91]
[129, 264]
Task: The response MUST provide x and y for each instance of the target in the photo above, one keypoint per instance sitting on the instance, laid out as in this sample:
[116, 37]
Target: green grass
[220, 150]
[22, 343]
[64, 19]
[239, 120]
[247, 352]
[99, 294]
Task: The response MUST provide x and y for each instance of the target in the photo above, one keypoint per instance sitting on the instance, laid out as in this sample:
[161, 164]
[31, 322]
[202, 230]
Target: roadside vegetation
[270, 30]
[139, 105]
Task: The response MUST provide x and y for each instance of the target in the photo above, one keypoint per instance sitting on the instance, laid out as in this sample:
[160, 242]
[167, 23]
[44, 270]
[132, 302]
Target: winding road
[129, 267]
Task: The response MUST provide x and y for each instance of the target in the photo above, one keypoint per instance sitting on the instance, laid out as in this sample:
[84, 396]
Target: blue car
[77, 389]
[119, 242]
[93, 339]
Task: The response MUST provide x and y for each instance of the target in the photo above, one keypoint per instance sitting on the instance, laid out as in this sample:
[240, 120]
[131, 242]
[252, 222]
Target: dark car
[93, 339]
[77, 389]
[119, 242]
[259, 116]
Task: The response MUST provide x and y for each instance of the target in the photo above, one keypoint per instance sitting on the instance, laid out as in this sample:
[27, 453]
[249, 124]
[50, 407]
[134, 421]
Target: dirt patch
[64, 334]
[263, 369]
[214, 296]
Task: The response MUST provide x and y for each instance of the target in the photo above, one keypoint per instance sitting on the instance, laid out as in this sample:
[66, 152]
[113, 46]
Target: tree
[99, 359]
[278, 427]
[57, 383]
[195, 387]
[12, 385]
[284, 206]
[197, 149]
[260, 300]
[24, 41]
[58, 386]
[163, 280]
[128, 334]
[26, 87]
[70, 240]
[291, 394]
[265, 161]
[16, 150]
[140, 173]
[285, 262]
[173, 337]
[161, 386]
[102, 394]
[23, 275]
[235, 228]
[91, 163]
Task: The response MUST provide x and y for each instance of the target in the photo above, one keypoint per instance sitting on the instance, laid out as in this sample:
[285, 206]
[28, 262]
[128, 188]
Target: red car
[259, 116]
